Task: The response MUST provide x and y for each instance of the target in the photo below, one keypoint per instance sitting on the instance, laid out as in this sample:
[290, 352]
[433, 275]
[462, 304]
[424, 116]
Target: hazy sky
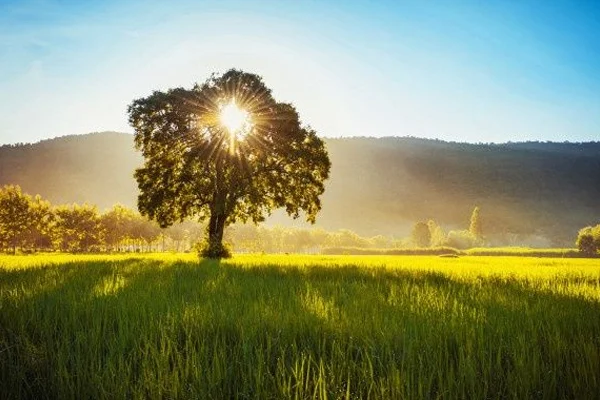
[476, 71]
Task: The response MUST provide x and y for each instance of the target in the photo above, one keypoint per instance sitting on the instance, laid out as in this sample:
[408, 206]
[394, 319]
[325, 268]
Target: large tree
[225, 151]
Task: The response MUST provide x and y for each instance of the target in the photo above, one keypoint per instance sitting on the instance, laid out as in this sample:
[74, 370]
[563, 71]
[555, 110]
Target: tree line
[430, 234]
[30, 223]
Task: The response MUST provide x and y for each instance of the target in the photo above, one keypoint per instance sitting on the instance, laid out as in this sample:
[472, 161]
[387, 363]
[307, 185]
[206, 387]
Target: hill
[529, 193]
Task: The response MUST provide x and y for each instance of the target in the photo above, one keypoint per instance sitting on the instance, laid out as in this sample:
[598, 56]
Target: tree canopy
[196, 165]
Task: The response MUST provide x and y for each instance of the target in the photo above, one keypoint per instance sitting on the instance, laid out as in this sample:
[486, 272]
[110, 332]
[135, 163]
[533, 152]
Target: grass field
[273, 327]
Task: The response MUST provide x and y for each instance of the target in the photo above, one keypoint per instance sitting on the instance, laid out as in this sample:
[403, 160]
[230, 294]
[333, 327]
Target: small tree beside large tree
[225, 151]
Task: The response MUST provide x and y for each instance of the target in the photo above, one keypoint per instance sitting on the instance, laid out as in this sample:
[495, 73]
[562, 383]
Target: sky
[492, 71]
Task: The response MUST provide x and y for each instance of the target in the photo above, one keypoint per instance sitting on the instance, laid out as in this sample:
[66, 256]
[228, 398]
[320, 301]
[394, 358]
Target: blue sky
[492, 71]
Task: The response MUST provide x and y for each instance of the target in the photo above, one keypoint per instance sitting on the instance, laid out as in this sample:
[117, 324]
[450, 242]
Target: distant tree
[348, 238]
[41, 224]
[381, 242]
[421, 237]
[177, 233]
[462, 239]
[149, 231]
[143, 232]
[438, 236]
[588, 240]
[246, 238]
[15, 217]
[475, 227]
[205, 157]
[116, 224]
[78, 228]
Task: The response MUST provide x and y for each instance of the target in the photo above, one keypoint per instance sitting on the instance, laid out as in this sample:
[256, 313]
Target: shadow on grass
[113, 312]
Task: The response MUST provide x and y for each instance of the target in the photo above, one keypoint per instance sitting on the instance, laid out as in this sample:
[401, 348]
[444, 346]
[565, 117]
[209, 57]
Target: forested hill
[527, 192]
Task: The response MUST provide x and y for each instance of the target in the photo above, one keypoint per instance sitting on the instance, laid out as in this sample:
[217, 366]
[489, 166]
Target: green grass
[274, 327]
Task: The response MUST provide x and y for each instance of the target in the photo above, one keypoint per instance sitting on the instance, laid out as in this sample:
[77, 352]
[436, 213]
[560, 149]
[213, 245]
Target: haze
[492, 72]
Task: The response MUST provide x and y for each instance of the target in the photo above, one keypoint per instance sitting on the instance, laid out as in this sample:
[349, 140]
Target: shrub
[213, 249]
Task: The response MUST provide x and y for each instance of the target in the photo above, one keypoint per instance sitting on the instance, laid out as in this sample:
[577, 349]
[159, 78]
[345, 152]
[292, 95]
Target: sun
[234, 119]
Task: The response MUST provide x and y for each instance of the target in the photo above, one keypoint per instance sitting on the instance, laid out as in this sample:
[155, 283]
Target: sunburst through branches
[237, 122]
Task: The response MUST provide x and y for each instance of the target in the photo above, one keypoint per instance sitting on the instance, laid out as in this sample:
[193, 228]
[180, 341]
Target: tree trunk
[216, 228]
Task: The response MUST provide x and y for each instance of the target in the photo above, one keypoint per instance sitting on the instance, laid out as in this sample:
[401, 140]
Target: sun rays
[235, 119]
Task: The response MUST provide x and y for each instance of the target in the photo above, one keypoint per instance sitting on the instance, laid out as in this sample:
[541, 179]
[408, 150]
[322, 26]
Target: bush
[212, 249]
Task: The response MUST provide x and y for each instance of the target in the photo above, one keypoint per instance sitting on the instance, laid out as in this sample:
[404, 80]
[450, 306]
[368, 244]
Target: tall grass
[304, 327]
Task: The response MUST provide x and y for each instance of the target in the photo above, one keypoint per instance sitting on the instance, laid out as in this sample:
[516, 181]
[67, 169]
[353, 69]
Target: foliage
[14, 206]
[475, 228]
[78, 228]
[588, 240]
[117, 224]
[195, 167]
[438, 236]
[269, 327]
[213, 249]
[24, 222]
[42, 223]
[461, 239]
[421, 236]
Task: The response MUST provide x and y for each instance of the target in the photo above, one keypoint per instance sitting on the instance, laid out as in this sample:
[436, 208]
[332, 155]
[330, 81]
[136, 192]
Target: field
[302, 327]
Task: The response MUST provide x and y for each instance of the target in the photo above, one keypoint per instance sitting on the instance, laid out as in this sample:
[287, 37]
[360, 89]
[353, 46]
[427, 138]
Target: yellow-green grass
[166, 326]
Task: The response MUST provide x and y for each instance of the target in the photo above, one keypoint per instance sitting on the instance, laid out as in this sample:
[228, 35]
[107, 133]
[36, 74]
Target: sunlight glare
[234, 118]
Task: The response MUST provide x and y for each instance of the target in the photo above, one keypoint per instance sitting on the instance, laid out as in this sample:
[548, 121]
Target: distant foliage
[16, 219]
[438, 236]
[78, 228]
[588, 240]
[30, 224]
[421, 236]
[475, 228]
[462, 239]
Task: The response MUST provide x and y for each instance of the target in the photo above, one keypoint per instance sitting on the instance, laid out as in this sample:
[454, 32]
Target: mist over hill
[529, 193]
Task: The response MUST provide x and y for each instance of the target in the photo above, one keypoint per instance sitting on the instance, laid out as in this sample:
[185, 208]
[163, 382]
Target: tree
[116, 223]
[78, 227]
[462, 239]
[475, 226]
[225, 151]
[588, 240]
[40, 224]
[438, 236]
[14, 217]
[421, 236]
[146, 231]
